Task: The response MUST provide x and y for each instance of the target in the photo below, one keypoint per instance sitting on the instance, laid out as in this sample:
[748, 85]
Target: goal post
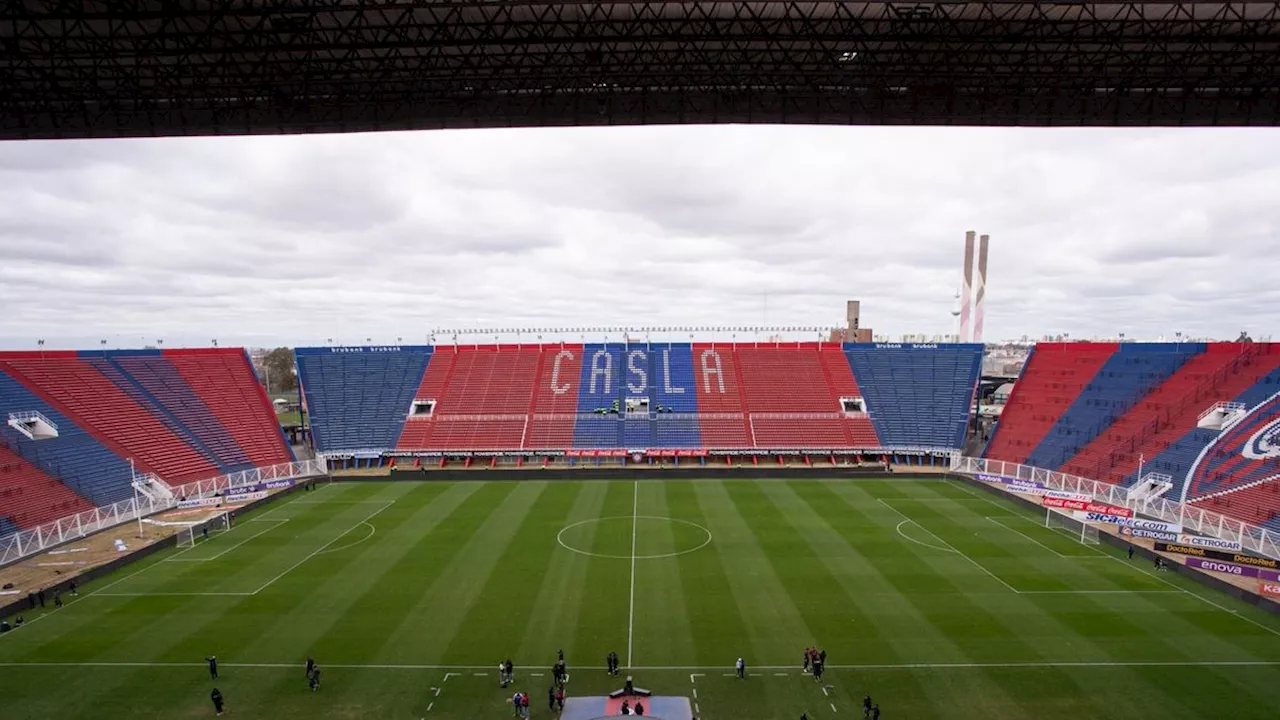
[1082, 531]
[187, 536]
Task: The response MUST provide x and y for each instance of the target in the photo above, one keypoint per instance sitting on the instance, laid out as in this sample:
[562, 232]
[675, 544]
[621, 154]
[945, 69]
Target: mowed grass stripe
[117, 622]
[663, 632]
[234, 626]
[602, 626]
[173, 622]
[1003, 625]
[1124, 626]
[776, 624]
[715, 619]
[927, 582]
[501, 612]
[850, 616]
[1175, 622]
[349, 612]
[424, 633]
[559, 600]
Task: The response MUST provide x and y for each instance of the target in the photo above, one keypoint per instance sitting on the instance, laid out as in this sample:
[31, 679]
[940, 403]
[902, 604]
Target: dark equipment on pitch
[630, 690]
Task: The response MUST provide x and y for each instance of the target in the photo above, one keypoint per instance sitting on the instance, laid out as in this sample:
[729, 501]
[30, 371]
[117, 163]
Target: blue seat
[75, 457]
[359, 398]
[917, 395]
[1127, 376]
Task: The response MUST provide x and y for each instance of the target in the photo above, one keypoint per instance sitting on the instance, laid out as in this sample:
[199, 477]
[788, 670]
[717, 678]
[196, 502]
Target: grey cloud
[298, 239]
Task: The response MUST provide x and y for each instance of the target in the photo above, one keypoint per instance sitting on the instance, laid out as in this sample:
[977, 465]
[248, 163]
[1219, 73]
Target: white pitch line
[695, 693]
[657, 668]
[278, 523]
[430, 705]
[1013, 529]
[953, 549]
[1200, 597]
[321, 549]
[833, 707]
[631, 614]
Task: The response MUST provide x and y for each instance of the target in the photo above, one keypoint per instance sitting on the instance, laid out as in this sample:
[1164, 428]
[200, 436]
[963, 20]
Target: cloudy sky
[294, 240]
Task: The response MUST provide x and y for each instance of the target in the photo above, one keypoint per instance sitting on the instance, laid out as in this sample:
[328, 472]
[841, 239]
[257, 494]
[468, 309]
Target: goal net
[1082, 531]
[197, 532]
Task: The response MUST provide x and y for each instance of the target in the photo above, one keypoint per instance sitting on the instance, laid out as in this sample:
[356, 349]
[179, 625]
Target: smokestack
[966, 290]
[980, 291]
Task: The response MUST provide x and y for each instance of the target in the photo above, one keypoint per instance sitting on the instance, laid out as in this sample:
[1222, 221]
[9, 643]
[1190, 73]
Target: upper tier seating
[1128, 375]
[1147, 410]
[225, 382]
[29, 497]
[1171, 410]
[75, 457]
[358, 398]
[637, 396]
[1053, 377]
[77, 387]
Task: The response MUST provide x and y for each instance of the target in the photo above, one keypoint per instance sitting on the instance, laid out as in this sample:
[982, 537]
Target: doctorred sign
[1094, 507]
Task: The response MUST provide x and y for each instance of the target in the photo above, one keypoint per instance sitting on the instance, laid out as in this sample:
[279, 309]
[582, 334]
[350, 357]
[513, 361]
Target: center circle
[618, 532]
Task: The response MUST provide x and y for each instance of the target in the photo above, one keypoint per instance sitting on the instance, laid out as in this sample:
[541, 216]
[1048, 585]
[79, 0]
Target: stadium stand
[1126, 376]
[77, 388]
[1150, 409]
[1172, 409]
[183, 415]
[918, 395]
[224, 381]
[358, 398]
[794, 396]
[1054, 376]
[75, 457]
[30, 497]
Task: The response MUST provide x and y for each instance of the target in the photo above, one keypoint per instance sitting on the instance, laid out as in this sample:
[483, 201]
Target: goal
[1081, 531]
[196, 532]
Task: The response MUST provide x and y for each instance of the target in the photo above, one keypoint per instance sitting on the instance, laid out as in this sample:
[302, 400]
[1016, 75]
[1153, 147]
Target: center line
[631, 614]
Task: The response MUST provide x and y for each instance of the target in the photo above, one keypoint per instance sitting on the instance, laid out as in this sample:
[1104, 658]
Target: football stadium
[678, 521]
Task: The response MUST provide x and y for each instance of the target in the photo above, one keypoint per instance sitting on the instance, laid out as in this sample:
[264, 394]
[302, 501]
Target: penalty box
[252, 555]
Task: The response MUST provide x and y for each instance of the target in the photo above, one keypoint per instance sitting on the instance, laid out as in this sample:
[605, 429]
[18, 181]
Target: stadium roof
[121, 68]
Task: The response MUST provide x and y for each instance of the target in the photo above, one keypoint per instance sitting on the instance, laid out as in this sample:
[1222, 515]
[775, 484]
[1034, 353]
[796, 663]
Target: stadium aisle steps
[76, 458]
[225, 382]
[1054, 375]
[104, 409]
[29, 497]
[1169, 411]
[1127, 376]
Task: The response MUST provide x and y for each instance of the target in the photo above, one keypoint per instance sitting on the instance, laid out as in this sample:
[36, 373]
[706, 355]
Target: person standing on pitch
[875, 712]
[213, 666]
[315, 678]
[311, 664]
[866, 706]
[216, 697]
[1130, 552]
[741, 666]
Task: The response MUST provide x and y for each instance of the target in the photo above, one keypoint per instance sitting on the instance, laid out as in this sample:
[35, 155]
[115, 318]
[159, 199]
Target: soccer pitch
[939, 600]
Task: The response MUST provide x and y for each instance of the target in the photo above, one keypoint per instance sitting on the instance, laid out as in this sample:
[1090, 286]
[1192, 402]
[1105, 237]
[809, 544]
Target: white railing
[25, 543]
[1204, 522]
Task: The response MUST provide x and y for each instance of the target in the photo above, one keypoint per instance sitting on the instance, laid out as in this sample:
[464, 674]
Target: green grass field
[939, 600]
